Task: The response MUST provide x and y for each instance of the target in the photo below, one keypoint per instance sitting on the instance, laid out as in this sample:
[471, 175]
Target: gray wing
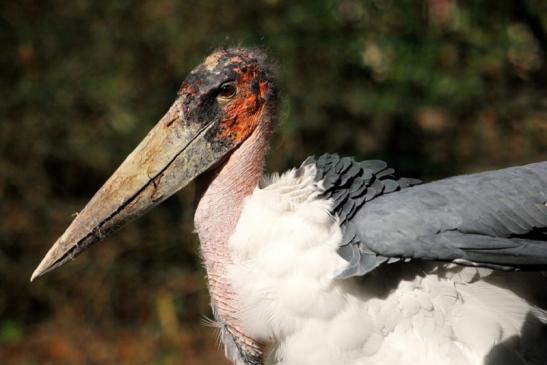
[495, 219]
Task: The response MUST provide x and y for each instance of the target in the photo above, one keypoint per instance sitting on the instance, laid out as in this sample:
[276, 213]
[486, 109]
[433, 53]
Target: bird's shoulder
[349, 185]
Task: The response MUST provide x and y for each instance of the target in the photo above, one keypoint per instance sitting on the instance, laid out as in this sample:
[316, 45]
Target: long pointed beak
[173, 153]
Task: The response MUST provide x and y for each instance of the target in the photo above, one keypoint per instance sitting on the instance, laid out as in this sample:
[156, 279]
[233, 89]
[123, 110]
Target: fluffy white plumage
[284, 274]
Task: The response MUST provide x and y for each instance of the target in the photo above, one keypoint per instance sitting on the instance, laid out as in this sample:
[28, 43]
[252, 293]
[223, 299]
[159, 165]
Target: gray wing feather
[495, 219]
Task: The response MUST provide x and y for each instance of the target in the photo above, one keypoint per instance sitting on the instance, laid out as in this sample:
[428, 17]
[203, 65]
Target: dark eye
[227, 90]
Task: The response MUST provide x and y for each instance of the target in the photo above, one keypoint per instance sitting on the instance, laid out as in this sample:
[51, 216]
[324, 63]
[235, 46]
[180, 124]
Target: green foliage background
[434, 87]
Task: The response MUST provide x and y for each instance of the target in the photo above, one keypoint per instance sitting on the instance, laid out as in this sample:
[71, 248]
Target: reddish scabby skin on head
[237, 115]
[243, 113]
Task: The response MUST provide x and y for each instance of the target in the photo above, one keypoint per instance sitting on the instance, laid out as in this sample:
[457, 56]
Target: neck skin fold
[216, 216]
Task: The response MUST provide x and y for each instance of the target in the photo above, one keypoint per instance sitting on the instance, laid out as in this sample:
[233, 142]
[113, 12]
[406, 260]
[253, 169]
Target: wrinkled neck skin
[216, 216]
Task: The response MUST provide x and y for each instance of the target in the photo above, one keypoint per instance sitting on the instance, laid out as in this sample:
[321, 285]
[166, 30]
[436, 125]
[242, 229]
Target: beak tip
[34, 275]
[39, 271]
[48, 263]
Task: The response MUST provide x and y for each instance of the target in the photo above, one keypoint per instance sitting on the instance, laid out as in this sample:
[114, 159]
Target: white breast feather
[285, 264]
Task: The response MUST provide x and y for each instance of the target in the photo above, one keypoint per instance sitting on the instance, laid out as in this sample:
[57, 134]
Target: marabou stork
[337, 261]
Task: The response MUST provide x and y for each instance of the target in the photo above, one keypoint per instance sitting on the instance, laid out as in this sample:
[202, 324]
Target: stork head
[219, 105]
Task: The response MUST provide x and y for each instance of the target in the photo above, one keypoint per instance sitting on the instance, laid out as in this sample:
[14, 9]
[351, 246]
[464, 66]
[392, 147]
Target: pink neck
[216, 216]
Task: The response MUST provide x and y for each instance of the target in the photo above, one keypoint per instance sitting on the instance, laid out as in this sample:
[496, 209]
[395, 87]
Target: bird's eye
[227, 90]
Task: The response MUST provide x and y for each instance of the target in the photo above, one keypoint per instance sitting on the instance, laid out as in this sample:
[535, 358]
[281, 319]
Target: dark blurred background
[434, 87]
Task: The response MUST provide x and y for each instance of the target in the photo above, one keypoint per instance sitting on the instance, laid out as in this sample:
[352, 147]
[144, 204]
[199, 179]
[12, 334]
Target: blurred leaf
[11, 331]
